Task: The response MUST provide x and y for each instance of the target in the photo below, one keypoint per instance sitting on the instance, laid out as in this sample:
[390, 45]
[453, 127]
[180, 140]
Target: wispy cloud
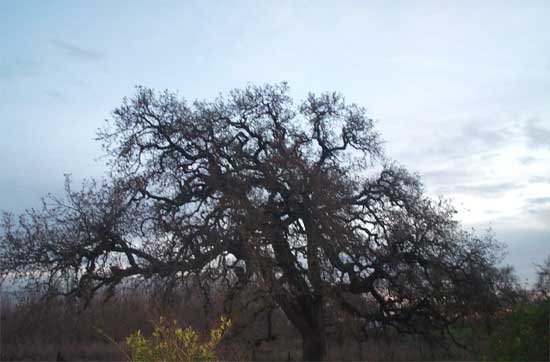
[537, 135]
[527, 160]
[539, 179]
[76, 51]
[475, 137]
[486, 189]
[54, 94]
[451, 176]
[539, 201]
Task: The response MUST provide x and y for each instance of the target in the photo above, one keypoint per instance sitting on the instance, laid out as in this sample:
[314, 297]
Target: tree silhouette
[542, 284]
[297, 201]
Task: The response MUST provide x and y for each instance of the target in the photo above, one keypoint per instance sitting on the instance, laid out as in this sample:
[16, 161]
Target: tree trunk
[314, 346]
[314, 342]
[307, 317]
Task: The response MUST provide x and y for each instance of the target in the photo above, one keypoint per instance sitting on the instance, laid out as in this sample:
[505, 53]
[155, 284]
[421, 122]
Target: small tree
[297, 200]
[542, 284]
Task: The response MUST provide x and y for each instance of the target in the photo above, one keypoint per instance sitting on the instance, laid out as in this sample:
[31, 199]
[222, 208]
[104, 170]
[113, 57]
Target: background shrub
[522, 334]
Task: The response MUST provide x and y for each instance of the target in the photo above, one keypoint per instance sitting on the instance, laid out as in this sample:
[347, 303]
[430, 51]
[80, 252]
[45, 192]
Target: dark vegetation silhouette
[542, 284]
[34, 328]
[263, 206]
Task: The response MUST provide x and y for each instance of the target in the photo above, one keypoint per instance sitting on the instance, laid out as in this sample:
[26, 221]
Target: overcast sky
[460, 90]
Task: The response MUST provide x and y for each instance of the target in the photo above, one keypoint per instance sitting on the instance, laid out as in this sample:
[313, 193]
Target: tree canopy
[297, 200]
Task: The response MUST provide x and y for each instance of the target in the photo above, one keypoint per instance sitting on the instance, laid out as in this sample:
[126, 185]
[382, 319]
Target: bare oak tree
[297, 201]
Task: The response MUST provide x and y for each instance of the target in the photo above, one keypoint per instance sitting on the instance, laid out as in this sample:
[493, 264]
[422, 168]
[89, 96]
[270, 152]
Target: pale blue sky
[460, 90]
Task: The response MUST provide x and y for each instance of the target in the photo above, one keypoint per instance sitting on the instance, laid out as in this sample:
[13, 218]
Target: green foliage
[522, 334]
[169, 342]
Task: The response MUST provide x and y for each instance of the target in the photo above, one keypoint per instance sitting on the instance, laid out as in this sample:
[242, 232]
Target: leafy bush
[169, 342]
[522, 334]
